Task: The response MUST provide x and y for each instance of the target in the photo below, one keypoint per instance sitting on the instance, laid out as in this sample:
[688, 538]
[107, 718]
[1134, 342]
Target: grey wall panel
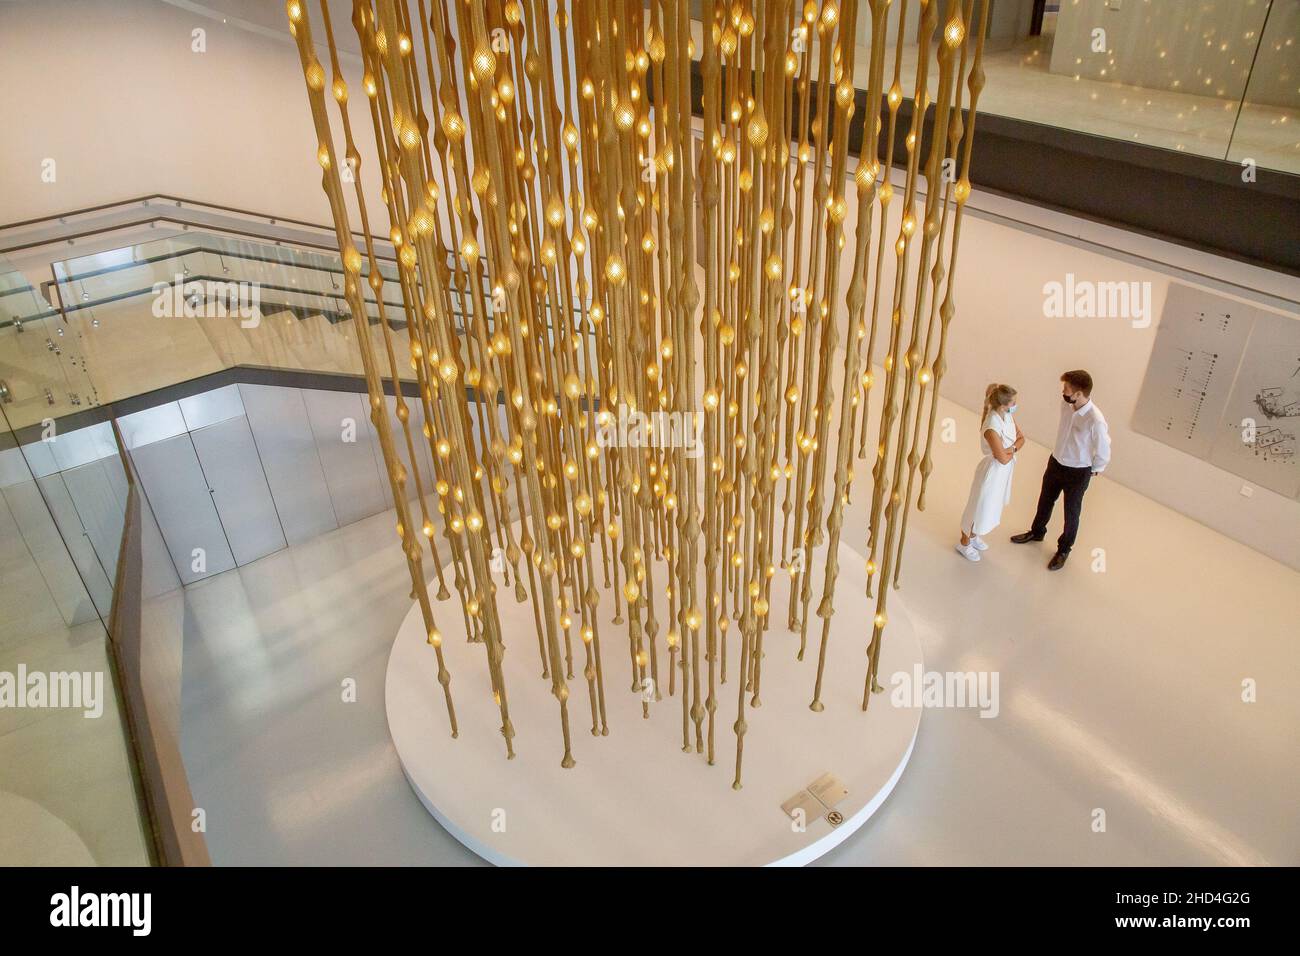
[282, 430]
[38, 461]
[178, 493]
[354, 481]
[416, 421]
[13, 467]
[41, 536]
[152, 425]
[82, 446]
[211, 407]
[100, 500]
[423, 456]
[93, 572]
[27, 604]
[239, 490]
[377, 447]
[159, 573]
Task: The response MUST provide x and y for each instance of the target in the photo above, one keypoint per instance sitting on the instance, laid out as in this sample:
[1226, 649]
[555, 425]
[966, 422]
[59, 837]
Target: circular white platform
[33, 836]
[634, 798]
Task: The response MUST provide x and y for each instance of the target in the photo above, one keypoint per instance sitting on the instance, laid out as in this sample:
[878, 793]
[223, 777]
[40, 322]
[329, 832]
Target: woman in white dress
[1000, 439]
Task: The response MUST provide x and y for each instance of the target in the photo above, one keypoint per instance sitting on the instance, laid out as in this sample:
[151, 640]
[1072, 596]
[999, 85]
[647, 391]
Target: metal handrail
[160, 207]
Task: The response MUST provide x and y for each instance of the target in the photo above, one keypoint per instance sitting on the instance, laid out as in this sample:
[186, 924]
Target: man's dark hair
[1078, 379]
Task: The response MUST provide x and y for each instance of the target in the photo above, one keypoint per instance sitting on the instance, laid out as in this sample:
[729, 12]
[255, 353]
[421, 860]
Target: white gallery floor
[1120, 691]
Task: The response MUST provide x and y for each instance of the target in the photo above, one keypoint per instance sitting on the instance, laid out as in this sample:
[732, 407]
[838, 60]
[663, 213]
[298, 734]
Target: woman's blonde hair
[995, 396]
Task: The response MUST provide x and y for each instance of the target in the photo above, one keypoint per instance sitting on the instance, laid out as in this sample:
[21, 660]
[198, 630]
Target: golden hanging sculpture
[547, 150]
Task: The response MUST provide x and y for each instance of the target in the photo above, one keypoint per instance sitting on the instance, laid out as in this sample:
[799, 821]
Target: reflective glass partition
[1216, 78]
[129, 320]
[1268, 127]
[1167, 73]
[166, 311]
[68, 783]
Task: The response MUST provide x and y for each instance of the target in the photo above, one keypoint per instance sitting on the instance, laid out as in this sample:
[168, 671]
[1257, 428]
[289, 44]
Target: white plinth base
[634, 797]
[33, 836]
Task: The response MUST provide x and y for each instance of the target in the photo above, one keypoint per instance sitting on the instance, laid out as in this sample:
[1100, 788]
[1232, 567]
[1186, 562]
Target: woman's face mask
[1011, 409]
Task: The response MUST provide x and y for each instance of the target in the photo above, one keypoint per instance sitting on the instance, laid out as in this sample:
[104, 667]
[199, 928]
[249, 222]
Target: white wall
[113, 93]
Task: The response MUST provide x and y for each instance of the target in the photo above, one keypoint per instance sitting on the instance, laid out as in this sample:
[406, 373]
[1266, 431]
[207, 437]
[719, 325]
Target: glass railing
[69, 783]
[128, 320]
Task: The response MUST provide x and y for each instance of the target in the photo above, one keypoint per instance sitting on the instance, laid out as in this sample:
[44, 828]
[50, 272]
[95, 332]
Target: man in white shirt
[1082, 451]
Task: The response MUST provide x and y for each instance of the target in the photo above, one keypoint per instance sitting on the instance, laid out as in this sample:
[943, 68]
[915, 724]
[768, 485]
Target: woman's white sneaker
[978, 543]
[967, 552]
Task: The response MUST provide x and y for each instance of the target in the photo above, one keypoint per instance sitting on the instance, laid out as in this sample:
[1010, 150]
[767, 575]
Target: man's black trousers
[1058, 479]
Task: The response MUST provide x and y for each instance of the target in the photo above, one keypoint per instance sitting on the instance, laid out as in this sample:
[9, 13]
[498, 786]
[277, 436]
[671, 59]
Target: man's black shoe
[1057, 562]
[1026, 537]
